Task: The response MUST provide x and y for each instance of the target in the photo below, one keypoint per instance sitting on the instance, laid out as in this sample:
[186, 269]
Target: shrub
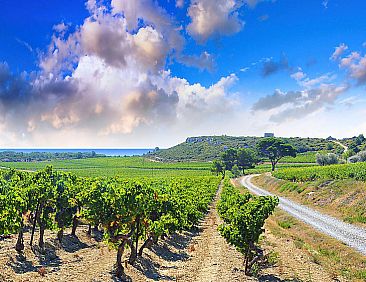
[327, 159]
[359, 157]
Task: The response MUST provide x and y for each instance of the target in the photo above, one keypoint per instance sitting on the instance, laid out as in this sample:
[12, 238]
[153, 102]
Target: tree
[235, 171]
[246, 158]
[229, 158]
[327, 159]
[361, 138]
[218, 167]
[354, 147]
[275, 149]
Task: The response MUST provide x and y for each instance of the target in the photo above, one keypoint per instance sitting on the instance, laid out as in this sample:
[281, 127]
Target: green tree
[246, 158]
[275, 149]
[229, 158]
[235, 171]
[218, 167]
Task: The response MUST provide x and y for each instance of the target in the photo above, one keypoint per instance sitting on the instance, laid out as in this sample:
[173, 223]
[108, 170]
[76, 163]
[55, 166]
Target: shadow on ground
[274, 278]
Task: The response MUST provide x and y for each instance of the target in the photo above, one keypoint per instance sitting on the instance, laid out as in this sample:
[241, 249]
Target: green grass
[285, 224]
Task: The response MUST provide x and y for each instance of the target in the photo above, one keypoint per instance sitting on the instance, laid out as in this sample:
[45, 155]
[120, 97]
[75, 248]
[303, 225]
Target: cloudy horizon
[144, 73]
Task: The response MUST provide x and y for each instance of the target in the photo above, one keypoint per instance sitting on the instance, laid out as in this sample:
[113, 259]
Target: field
[122, 166]
[117, 172]
[132, 167]
[355, 171]
[308, 157]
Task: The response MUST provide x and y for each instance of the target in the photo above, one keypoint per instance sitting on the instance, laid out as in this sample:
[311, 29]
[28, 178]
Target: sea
[107, 152]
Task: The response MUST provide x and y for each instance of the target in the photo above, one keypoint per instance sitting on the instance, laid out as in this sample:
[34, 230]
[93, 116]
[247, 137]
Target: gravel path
[353, 236]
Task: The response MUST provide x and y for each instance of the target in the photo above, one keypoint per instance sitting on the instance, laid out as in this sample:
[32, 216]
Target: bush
[327, 159]
[359, 157]
[362, 156]
[354, 159]
[236, 171]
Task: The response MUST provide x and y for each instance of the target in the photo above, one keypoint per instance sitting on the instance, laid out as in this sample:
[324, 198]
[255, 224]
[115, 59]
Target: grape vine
[127, 211]
[244, 216]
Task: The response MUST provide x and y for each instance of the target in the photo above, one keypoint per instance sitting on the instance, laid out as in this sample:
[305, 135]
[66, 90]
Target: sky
[147, 73]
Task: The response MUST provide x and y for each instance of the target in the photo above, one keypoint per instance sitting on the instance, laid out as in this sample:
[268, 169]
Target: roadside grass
[286, 223]
[343, 199]
[335, 257]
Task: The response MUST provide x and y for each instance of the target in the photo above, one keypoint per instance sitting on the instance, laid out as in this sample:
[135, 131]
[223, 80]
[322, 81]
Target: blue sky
[126, 73]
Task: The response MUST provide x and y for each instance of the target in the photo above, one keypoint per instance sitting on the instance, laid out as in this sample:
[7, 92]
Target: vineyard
[122, 166]
[355, 171]
[244, 216]
[308, 157]
[128, 210]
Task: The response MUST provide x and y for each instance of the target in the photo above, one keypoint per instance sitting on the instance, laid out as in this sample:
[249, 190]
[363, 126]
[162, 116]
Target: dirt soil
[197, 255]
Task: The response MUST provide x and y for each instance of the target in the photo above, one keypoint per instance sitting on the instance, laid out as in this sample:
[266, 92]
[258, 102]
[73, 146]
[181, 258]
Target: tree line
[238, 160]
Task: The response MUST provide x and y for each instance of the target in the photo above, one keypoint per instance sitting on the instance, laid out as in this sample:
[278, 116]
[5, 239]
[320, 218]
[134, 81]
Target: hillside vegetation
[208, 148]
[355, 171]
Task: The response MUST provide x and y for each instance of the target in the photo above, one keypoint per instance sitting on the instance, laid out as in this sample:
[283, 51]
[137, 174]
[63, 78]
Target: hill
[208, 148]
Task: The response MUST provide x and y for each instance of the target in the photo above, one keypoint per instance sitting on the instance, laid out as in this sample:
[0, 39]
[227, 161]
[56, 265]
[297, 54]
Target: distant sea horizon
[112, 152]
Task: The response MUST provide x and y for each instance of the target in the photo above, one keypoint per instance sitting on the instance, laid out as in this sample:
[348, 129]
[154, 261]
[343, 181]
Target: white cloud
[211, 18]
[339, 50]
[355, 65]
[117, 84]
[245, 69]
[205, 61]
[298, 104]
[299, 75]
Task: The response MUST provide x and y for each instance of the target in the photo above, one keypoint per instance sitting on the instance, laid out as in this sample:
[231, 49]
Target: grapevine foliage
[244, 216]
[127, 210]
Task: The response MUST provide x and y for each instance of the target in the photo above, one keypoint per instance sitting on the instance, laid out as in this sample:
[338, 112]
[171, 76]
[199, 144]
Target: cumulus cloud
[355, 64]
[270, 66]
[339, 50]
[213, 18]
[308, 83]
[205, 61]
[277, 99]
[108, 77]
[298, 104]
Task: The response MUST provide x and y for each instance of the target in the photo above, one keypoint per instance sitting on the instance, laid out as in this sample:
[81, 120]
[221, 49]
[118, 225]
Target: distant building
[268, 134]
